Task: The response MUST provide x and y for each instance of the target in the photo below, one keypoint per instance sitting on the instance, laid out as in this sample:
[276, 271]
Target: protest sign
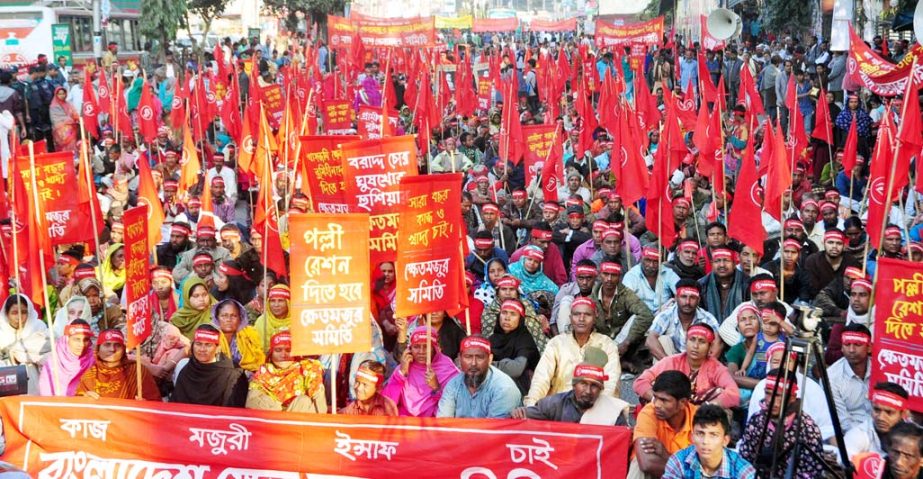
[369, 122]
[338, 116]
[647, 33]
[538, 140]
[382, 32]
[330, 283]
[322, 172]
[137, 277]
[68, 220]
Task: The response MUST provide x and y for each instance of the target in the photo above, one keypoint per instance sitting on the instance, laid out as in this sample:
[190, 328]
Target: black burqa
[213, 384]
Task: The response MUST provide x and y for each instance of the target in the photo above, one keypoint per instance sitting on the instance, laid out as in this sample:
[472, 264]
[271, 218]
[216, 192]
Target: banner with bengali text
[68, 220]
[330, 283]
[429, 271]
[58, 438]
[382, 32]
[897, 348]
[322, 171]
[865, 68]
[372, 170]
[489, 25]
[646, 33]
[567, 25]
[137, 277]
[484, 85]
[368, 123]
[538, 141]
[338, 117]
[274, 104]
[459, 23]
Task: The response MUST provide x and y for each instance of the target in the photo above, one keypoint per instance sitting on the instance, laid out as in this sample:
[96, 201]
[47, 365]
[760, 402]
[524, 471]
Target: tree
[316, 10]
[160, 20]
[787, 16]
[208, 11]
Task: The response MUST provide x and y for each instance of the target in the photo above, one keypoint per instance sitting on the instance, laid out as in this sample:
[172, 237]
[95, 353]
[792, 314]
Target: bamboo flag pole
[304, 122]
[85, 160]
[14, 221]
[56, 377]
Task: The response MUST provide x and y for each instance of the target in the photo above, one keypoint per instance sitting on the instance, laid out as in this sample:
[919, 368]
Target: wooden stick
[429, 340]
[139, 396]
[85, 159]
[334, 371]
[14, 221]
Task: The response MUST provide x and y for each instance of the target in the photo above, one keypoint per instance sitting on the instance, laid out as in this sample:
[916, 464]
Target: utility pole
[97, 32]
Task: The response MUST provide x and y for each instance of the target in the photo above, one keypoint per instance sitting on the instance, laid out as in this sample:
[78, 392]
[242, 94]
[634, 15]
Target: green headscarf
[187, 319]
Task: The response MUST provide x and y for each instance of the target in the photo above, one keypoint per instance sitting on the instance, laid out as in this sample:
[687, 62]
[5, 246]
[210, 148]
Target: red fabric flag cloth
[910, 136]
[779, 175]
[634, 179]
[104, 104]
[90, 109]
[791, 93]
[851, 148]
[744, 222]
[685, 109]
[823, 126]
[659, 218]
[511, 147]
[147, 194]
[879, 171]
[178, 108]
[230, 109]
[124, 120]
[553, 169]
[648, 114]
[148, 119]
[709, 92]
[266, 223]
[189, 173]
[748, 94]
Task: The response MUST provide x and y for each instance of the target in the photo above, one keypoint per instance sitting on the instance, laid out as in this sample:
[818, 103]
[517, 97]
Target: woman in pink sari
[415, 387]
[73, 356]
[64, 122]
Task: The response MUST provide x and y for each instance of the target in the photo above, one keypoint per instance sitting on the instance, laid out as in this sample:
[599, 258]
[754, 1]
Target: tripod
[807, 345]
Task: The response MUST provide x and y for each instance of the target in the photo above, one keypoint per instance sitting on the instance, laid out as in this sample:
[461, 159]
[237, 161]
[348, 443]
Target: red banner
[382, 32]
[864, 68]
[330, 283]
[486, 25]
[568, 25]
[68, 220]
[429, 273]
[373, 170]
[538, 141]
[274, 104]
[81, 437]
[646, 33]
[897, 353]
[137, 277]
[485, 86]
[369, 122]
[338, 117]
[322, 171]
[709, 42]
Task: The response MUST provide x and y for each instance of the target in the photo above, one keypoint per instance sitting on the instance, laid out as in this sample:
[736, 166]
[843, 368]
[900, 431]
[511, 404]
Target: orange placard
[646, 33]
[330, 283]
[137, 276]
[110, 438]
[337, 117]
[368, 123]
[67, 220]
[538, 140]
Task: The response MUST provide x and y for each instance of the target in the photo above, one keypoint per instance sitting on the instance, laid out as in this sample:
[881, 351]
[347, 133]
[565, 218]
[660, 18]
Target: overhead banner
[864, 68]
[487, 25]
[459, 23]
[568, 25]
[645, 33]
[330, 283]
[372, 170]
[137, 277]
[897, 352]
[322, 172]
[429, 273]
[85, 438]
[709, 42]
[381, 32]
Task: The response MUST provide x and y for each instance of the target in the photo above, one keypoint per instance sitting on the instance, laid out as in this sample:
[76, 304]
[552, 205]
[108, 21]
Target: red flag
[910, 135]
[634, 177]
[247, 148]
[230, 109]
[823, 126]
[791, 93]
[553, 169]
[123, 122]
[851, 148]
[147, 194]
[178, 107]
[105, 94]
[510, 128]
[709, 92]
[748, 94]
[148, 120]
[648, 114]
[189, 173]
[882, 157]
[659, 218]
[90, 109]
[779, 176]
[744, 222]
[265, 222]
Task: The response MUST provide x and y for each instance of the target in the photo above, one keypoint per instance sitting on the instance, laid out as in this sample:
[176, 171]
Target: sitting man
[482, 390]
[664, 425]
[651, 280]
[586, 273]
[712, 383]
[905, 452]
[667, 334]
[889, 408]
[849, 377]
[709, 455]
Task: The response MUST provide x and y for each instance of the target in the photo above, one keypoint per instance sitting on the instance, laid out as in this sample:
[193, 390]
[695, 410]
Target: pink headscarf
[412, 395]
[69, 369]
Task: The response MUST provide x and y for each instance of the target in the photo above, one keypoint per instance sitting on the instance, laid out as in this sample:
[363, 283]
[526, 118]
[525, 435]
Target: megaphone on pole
[724, 24]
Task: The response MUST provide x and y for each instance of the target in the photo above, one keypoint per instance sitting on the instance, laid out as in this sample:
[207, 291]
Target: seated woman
[208, 377]
[286, 383]
[231, 282]
[23, 338]
[196, 309]
[113, 375]
[508, 288]
[239, 341]
[113, 273]
[447, 328]
[416, 386]
[487, 291]
[76, 307]
[513, 348]
[61, 372]
[278, 317]
[161, 352]
[746, 360]
[102, 315]
[370, 378]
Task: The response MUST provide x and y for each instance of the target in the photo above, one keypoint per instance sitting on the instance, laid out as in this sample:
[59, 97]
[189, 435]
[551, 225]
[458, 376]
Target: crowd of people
[570, 300]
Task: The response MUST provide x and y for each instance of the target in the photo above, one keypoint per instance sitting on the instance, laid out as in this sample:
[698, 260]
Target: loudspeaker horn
[918, 22]
[724, 24]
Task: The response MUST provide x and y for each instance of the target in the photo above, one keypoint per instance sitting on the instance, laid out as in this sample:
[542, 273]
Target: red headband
[203, 258]
[687, 290]
[369, 375]
[762, 285]
[681, 202]
[544, 235]
[776, 346]
[765, 314]
[853, 272]
[775, 382]
[591, 372]
[610, 267]
[862, 283]
[855, 337]
[748, 307]
[722, 253]
[508, 282]
[534, 253]
[277, 292]
[689, 244]
[77, 328]
[806, 203]
[701, 331]
[519, 195]
[551, 206]
[111, 336]
[585, 270]
[228, 270]
[180, 229]
[118, 227]
[283, 338]
[892, 231]
[826, 205]
[583, 301]
[790, 243]
[490, 208]
[650, 253]
[600, 225]
[217, 180]
[205, 232]
[162, 273]
[612, 232]
[476, 343]
[84, 273]
[420, 334]
[206, 336]
[513, 305]
[484, 243]
[889, 399]
[794, 222]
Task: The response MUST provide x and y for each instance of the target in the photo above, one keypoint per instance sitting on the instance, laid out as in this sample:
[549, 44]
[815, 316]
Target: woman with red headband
[513, 348]
[73, 355]
[286, 383]
[278, 317]
[113, 375]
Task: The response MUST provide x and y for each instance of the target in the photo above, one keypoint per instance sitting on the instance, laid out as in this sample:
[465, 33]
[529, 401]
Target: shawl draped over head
[413, 396]
[186, 319]
[244, 348]
[532, 282]
[33, 325]
[120, 382]
[170, 340]
[61, 319]
[514, 344]
[112, 280]
[69, 370]
[213, 384]
[737, 294]
[268, 324]
[301, 378]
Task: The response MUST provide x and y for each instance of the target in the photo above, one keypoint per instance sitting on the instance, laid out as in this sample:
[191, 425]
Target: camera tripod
[806, 346]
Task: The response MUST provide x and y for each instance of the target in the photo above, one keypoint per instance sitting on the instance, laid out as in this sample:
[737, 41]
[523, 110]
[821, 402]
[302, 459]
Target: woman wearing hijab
[383, 295]
[487, 291]
[64, 122]
[73, 355]
[77, 307]
[415, 386]
[447, 328]
[513, 348]
[277, 318]
[102, 316]
[113, 375]
[196, 309]
[113, 271]
[370, 377]
[239, 341]
[208, 377]
[231, 282]
[529, 271]
[162, 296]
[23, 338]
[287, 383]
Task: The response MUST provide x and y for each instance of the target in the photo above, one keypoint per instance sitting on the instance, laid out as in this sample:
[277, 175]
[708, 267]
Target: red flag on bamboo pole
[823, 126]
[878, 180]
[189, 173]
[148, 120]
[90, 108]
[147, 193]
[743, 220]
